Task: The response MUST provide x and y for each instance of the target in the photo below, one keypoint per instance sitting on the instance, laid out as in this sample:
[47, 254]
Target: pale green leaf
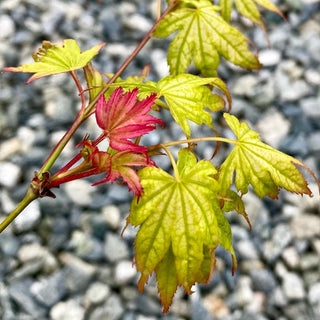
[186, 97]
[249, 9]
[53, 59]
[226, 9]
[254, 162]
[178, 212]
[226, 237]
[203, 35]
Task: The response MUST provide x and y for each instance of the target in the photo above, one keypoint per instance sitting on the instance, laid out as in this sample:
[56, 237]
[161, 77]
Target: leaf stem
[79, 86]
[29, 197]
[175, 143]
[173, 162]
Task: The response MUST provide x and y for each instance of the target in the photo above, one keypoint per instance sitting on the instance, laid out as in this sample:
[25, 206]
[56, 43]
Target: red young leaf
[123, 117]
[121, 166]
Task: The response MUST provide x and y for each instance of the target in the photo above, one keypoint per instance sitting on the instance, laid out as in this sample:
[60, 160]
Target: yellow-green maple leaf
[248, 8]
[256, 163]
[53, 59]
[179, 214]
[203, 35]
[186, 96]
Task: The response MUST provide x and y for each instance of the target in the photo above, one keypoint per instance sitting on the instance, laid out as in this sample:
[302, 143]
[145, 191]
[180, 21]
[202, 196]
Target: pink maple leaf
[123, 117]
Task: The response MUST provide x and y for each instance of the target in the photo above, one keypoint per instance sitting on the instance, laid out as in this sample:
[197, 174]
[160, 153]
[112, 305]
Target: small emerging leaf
[260, 165]
[94, 80]
[123, 117]
[234, 202]
[53, 59]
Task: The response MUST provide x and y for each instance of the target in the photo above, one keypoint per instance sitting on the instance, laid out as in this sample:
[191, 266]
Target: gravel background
[63, 259]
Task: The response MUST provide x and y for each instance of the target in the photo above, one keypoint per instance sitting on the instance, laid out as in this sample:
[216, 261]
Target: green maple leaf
[248, 8]
[53, 59]
[260, 165]
[203, 35]
[179, 214]
[226, 9]
[186, 97]
[226, 237]
[234, 202]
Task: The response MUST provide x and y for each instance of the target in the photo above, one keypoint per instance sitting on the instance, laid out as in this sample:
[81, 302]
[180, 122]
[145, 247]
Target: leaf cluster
[181, 217]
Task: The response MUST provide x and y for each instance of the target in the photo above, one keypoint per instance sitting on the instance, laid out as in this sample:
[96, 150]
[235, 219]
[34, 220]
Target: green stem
[173, 162]
[60, 146]
[29, 197]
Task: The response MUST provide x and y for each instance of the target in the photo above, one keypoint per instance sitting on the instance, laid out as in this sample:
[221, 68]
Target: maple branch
[86, 112]
[90, 108]
[29, 197]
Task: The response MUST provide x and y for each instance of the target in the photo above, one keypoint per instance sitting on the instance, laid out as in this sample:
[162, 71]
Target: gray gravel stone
[281, 238]
[311, 107]
[270, 57]
[9, 174]
[48, 291]
[293, 287]
[77, 273]
[137, 22]
[20, 293]
[273, 127]
[246, 250]
[309, 261]
[111, 214]
[86, 246]
[263, 280]
[96, 294]
[115, 248]
[79, 191]
[305, 226]
[31, 251]
[68, 310]
[111, 310]
[313, 142]
[6, 310]
[29, 218]
[9, 147]
[314, 298]
[7, 27]
[295, 90]
[291, 257]
[124, 273]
